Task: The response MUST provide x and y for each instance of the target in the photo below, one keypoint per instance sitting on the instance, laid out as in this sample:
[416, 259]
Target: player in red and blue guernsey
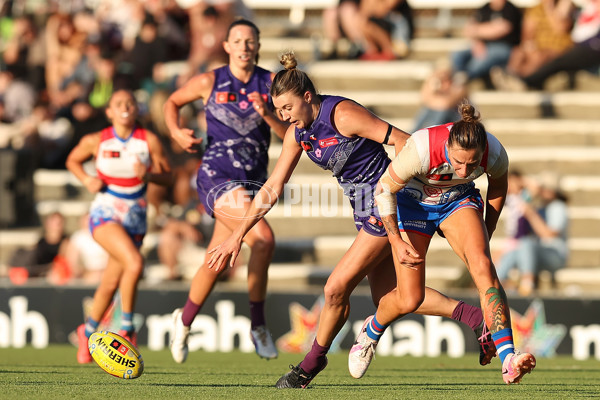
[239, 116]
[429, 187]
[127, 157]
[343, 137]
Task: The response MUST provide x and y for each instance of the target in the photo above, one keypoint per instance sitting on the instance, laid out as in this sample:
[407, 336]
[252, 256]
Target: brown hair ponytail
[468, 133]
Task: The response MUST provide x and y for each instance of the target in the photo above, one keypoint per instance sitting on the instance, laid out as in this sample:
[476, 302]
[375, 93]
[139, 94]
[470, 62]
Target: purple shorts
[371, 224]
[212, 183]
[425, 219]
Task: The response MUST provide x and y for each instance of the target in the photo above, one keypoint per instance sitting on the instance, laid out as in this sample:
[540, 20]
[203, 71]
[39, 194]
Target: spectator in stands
[515, 224]
[23, 52]
[546, 248]
[86, 258]
[85, 119]
[64, 46]
[441, 94]
[387, 27]
[344, 21]
[545, 35]
[150, 47]
[19, 134]
[583, 55]
[18, 96]
[55, 133]
[38, 261]
[104, 81]
[172, 24]
[494, 30]
[377, 30]
[208, 31]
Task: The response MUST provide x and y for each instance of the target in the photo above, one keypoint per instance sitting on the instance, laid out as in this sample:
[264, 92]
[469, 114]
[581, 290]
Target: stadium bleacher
[557, 129]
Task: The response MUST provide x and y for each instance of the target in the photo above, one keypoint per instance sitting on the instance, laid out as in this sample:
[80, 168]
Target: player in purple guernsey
[343, 137]
[239, 116]
[429, 187]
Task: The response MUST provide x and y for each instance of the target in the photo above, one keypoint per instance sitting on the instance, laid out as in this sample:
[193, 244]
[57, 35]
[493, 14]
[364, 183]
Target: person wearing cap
[545, 248]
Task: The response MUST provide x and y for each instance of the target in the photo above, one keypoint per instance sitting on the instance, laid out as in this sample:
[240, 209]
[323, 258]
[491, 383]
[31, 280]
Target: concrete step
[328, 250]
[571, 160]
[438, 276]
[310, 218]
[393, 103]
[53, 184]
[311, 49]
[532, 132]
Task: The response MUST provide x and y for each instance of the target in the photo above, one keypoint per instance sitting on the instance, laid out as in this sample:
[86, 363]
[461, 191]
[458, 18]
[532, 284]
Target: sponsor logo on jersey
[312, 137]
[307, 146]
[332, 141]
[226, 97]
[111, 154]
[440, 177]
[264, 96]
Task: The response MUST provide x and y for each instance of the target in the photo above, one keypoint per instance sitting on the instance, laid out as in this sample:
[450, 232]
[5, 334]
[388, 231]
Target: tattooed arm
[399, 172]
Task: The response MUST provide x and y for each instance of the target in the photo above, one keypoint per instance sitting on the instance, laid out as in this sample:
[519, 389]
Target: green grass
[53, 373]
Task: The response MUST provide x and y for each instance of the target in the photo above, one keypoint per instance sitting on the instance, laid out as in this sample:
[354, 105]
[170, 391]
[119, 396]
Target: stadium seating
[557, 129]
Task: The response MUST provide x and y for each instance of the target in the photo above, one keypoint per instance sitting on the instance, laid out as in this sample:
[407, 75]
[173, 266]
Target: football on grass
[116, 355]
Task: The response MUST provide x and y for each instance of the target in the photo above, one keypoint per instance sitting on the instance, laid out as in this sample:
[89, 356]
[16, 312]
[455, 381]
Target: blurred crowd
[61, 60]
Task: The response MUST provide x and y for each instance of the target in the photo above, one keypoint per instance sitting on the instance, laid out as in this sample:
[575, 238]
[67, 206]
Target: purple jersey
[238, 137]
[356, 162]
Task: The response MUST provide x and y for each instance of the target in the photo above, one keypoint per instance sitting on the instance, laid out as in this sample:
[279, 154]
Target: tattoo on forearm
[391, 225]
[496, 309]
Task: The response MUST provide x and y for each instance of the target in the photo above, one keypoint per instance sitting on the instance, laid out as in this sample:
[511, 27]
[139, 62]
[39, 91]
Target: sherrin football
[116, 355]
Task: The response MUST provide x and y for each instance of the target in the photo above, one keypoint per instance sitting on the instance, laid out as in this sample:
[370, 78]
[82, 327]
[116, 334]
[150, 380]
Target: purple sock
[468, 314]
[257, 314]
[314, 360]
[189, 312]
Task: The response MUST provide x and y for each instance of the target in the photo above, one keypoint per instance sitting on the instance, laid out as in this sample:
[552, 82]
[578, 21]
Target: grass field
[53, 373]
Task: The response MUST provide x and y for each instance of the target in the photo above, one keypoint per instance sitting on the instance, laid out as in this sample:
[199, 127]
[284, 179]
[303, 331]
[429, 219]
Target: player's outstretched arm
[262, 203]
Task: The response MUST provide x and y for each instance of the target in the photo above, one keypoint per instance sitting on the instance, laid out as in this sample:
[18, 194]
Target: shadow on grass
[209, 385]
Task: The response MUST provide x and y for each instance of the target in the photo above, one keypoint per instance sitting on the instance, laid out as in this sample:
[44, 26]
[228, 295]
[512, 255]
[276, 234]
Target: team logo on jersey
[332, 141]
[312, 137]
[307, 146]
[111, 154]
[440, 177]
[432, 191]
[226, 97]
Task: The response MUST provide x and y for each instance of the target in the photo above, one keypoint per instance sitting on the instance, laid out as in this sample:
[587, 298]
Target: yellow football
[116, 355]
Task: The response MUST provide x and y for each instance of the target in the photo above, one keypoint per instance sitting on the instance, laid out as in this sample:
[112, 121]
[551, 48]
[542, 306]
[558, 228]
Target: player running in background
[239, 116]
[427, 187]
[344, 137]
[127, 157]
